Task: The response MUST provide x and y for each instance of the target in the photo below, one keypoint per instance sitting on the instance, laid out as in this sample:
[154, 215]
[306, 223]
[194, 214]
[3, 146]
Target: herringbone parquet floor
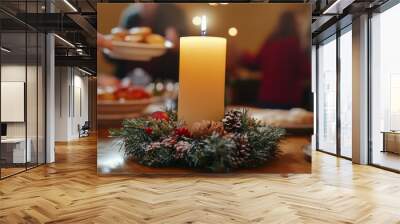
[71, 192]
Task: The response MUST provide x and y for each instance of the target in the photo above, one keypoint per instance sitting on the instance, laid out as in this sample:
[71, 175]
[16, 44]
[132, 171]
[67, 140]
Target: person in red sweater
[285, 67]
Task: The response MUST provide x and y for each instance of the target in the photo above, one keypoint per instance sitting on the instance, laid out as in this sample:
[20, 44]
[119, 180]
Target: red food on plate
[131, 93]
[121, 93]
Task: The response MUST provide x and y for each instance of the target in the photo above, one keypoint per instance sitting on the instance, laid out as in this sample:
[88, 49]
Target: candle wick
[203, 26]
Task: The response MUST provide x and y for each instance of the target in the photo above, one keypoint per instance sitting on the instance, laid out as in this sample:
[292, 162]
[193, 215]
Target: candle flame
[203, 25]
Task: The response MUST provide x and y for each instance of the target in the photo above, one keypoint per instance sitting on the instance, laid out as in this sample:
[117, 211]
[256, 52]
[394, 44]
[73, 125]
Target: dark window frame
[347, 27]
[30, 30]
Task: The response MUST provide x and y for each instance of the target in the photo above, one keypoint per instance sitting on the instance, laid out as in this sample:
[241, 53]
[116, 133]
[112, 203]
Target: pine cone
[153, 146]
[181, 149]
[233, 121]
[169, 142]
[243, 149]
[206, 128]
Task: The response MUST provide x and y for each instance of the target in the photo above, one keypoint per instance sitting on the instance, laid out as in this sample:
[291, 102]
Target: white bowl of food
[136, 44]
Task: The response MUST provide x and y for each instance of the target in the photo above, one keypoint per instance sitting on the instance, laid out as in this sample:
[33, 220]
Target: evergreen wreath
[238, 141]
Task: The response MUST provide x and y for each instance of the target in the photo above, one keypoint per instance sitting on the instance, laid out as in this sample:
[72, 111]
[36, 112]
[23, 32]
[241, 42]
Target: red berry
[160, 115]
[148, 130]
[183, 132]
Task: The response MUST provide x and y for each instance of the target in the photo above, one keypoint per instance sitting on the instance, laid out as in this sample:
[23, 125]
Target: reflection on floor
[70, 191]
[11, 169]
[111, 161]
[387, 159]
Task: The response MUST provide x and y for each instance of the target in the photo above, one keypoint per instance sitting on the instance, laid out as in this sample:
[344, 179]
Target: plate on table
[134, 51]
[123, 107]
[110, 113]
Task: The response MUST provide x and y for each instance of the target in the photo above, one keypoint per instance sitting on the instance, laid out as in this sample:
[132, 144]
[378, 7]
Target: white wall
[81, 103]
[33, 126]
[71, 94]
[14, 72]
[61, 103]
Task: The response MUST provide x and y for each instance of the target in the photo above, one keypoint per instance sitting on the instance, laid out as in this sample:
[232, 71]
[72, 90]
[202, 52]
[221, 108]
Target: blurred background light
[196, 20]
[232, 31]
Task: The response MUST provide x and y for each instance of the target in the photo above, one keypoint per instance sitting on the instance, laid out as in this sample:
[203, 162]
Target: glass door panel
[327, 96]
[22, 64]
[15, 151]
[346, 94]
[32, 98]
[385, 89]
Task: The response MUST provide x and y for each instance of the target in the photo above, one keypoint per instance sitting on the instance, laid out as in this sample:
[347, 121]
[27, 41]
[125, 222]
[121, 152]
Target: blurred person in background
[284, 65]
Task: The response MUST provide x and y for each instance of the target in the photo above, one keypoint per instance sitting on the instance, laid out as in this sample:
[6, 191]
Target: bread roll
[134, 38]
[155, 39]
[118, 33]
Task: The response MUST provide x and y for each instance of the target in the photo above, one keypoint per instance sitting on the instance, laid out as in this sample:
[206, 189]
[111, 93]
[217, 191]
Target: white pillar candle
[201, 78]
